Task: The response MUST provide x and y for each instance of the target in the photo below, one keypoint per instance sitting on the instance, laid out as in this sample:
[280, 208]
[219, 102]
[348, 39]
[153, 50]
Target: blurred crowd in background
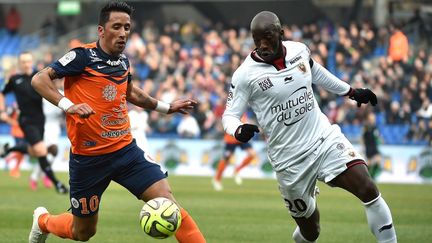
[198, 60]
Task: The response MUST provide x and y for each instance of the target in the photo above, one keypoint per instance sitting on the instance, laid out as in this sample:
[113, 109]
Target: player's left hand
[363, 96]
[245, 132]
[182, 106]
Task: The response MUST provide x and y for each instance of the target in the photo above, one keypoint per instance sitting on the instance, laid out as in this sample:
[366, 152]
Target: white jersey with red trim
[284, 103]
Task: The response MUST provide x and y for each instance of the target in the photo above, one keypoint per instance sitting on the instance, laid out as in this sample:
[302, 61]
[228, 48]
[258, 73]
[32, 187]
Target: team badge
[109, 92]
[74, 202]
[302, 67]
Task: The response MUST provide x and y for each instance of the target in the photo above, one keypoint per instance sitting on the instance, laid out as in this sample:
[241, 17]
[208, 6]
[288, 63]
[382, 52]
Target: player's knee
[368, 191]
[84, 234]
[53, 150]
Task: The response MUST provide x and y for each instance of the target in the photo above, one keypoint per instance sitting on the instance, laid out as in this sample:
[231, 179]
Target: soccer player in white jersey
[52, 133]
[276, 81]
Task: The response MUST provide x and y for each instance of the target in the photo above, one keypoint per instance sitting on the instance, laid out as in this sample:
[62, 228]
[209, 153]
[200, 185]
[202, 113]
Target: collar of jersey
[106, 55]
[257, 58]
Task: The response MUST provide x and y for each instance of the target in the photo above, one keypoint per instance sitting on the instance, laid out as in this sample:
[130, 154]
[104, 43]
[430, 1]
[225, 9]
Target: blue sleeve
[72, 63]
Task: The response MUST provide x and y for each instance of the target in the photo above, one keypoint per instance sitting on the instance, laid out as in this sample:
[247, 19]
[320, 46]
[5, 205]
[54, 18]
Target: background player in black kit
[371, 139]
[31, 119]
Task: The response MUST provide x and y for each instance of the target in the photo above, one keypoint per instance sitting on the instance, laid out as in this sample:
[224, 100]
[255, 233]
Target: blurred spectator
[399, 46]
[425, 110]
[188, 127]
[198, 59]
[13, 20]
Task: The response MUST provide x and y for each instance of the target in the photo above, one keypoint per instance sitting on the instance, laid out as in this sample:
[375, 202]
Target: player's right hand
[83, 110]
[245, 132]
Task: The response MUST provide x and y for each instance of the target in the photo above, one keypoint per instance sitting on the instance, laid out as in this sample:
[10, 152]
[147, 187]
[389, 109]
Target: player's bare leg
[188, 231]
[356, 180]
[308, 229]
[84, 227]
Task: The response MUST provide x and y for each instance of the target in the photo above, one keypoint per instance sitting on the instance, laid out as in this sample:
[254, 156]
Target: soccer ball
[160, 218]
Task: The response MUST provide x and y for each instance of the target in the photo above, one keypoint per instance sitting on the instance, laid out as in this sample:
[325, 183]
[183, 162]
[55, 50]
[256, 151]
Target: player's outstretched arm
[139, 98]
[42, 82]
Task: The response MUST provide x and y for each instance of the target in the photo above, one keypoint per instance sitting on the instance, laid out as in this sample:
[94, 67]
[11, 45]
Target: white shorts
[297, 182]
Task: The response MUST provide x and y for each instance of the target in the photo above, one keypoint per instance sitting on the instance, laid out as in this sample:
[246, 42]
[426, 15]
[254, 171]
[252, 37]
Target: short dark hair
[113, 6]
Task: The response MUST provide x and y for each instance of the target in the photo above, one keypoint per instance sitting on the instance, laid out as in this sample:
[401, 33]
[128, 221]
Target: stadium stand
[188, 59]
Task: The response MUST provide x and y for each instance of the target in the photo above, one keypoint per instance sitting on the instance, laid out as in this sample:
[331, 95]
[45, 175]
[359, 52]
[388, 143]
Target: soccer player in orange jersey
[97, 88]
[231, 144]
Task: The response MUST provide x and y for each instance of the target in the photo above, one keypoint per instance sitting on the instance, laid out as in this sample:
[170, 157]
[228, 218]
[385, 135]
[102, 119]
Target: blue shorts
[91, 175]
[232, 146]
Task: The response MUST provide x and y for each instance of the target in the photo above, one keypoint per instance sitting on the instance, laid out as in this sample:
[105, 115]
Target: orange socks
[188, 231]
[60, 225]
[244, 163]
[220, 169]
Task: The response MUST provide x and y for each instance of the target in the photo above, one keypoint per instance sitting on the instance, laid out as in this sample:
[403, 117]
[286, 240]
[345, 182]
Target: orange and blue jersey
[100, 80]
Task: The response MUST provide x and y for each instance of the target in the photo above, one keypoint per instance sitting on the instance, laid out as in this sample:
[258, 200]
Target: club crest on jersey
[109, 92]
[74, 202]
[265, 84]
[302, 67]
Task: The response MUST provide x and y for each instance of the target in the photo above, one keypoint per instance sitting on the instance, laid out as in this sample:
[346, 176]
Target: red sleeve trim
[355, 162]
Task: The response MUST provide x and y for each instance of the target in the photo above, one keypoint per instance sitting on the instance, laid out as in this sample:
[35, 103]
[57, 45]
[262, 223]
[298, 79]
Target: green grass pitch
[253, 212]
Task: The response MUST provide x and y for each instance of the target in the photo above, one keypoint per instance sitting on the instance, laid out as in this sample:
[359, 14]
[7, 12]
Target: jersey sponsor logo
[230, 96]
[95, 59]
[295, 59]
[109, 92]
[106, 121]
[67, 58]
[89, 143]
[265, 84]
[114, 63]
[115, 133]
[295, 108]
[302, 67]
